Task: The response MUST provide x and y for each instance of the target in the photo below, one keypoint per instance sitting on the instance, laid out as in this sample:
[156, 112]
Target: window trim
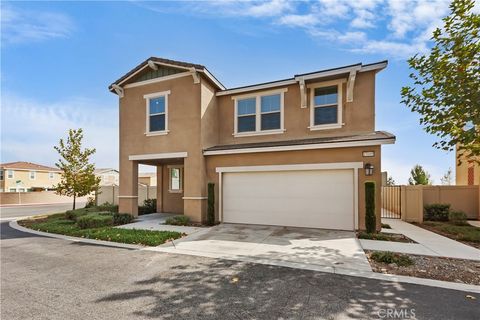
[258, 114]
[147, 98]
[13, 174]
[170, 167]
[34, 175]
[339, 83]
[51, 175]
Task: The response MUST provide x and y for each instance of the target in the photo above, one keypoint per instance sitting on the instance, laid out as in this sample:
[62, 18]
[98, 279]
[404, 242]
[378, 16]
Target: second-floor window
[50, 175]
[157, 113]
[1, 174]
[33, 175]
[260, 114]
[10, 174]
[326, 106]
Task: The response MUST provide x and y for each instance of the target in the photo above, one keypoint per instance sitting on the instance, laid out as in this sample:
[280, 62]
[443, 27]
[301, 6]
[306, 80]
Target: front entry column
[128, 197]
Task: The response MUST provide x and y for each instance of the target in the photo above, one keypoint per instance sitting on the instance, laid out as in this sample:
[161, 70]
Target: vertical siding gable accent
[152, 74]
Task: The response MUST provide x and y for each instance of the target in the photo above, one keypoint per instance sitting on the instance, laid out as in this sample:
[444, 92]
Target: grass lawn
[466, 233]
[57, 223]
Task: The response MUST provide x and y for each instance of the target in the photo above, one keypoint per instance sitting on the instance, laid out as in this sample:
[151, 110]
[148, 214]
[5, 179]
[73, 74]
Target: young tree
[446, 82]
[78, 179]
[447, 178]
[419, 176]
[390, 181]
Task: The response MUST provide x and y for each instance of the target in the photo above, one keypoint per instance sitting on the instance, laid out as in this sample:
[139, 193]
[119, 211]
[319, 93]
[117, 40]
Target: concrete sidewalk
[428, 243]
[155, 222]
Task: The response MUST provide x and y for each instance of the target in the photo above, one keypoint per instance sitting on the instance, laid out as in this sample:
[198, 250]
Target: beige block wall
[305, 157]
[358, 116]
[40, 197]
[110, 194]
[462, 198]
[41, 180]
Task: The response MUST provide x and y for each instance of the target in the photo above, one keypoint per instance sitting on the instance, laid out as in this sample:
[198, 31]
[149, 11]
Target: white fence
[110, 194]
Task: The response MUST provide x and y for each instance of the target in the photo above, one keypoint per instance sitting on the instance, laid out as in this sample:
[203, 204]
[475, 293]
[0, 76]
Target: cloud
[395, 28]
[31, 128]
[23, 26]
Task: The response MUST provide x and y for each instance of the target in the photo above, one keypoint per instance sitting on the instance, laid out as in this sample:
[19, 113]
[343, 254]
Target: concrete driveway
[312, 249]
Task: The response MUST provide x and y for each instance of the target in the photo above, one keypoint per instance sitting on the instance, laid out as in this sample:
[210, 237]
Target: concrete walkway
[475, 223]
[155, 222]
[428, 243]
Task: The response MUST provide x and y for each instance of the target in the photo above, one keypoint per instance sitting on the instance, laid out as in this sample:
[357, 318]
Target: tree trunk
[74, 197]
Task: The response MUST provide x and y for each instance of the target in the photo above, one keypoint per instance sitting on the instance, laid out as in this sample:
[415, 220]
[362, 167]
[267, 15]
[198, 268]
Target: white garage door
[310, 198]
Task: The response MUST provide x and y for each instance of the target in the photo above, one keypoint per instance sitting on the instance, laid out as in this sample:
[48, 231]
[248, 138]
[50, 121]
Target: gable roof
[103, 170]
[23, 165]
[167, 62]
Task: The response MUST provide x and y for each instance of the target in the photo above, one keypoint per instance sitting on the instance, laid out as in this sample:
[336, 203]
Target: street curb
[326, 269]
[15, 225]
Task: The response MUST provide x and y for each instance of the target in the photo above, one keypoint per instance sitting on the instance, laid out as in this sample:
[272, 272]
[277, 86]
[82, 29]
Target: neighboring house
[23, 176]
[108, 176]
[468, 172]
[292, 152]
[148, 179]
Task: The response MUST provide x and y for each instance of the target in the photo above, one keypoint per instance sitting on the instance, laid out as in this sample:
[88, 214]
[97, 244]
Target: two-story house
[292, 152]
[21, 176]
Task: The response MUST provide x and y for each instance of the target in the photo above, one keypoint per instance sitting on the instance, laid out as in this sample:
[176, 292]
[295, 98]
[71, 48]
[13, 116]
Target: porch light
[368, 169]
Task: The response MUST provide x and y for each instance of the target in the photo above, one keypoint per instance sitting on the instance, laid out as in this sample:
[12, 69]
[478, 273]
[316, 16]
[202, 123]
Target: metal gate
[392, 202]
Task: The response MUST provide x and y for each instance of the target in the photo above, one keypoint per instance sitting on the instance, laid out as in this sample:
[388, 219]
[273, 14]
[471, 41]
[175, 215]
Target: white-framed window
[157, 113]
[2, 174]
[12, 190]
[51, 175]
[260, 113]
[32, 175]
[21, 190]
[175, 177]
[10, 174]
[326, 105]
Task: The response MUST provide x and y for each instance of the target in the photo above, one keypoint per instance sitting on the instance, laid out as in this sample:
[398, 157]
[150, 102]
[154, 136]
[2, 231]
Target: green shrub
[95, 220]
[74, 214]
[149, 206]
[178, 221]
[458, 218]
[122, 218]
[107, 206]
[90, 202]
[373, 236]
[211, 204]
[370, 218]
[388, 257]
[436, 212]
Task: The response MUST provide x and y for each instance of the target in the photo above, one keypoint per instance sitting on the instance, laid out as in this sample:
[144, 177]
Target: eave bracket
[350, 85]
[196, 77]
[118, 90]
[303, 93]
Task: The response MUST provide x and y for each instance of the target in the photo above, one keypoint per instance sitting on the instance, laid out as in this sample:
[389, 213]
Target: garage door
[310, 198]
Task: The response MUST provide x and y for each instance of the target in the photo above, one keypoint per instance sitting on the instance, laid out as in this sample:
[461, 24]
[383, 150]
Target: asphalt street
[47, 278]
[11, 212]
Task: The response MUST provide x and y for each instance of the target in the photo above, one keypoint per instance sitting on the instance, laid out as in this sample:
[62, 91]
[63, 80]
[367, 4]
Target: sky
[58, 58]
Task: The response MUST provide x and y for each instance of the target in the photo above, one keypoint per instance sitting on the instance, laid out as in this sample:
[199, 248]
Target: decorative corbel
[303, 93]
[350, 85]
[152, 65]
[196, 77]
[118, 90]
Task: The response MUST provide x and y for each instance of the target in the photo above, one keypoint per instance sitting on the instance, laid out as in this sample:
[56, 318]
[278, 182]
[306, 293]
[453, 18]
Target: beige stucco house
[108, 176]
[467, 172]
[292, 152]
[21, 176]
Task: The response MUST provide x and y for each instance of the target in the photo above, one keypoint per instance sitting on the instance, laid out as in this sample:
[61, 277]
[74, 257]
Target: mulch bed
[384, 236]
[448, 235]
[438, 268]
